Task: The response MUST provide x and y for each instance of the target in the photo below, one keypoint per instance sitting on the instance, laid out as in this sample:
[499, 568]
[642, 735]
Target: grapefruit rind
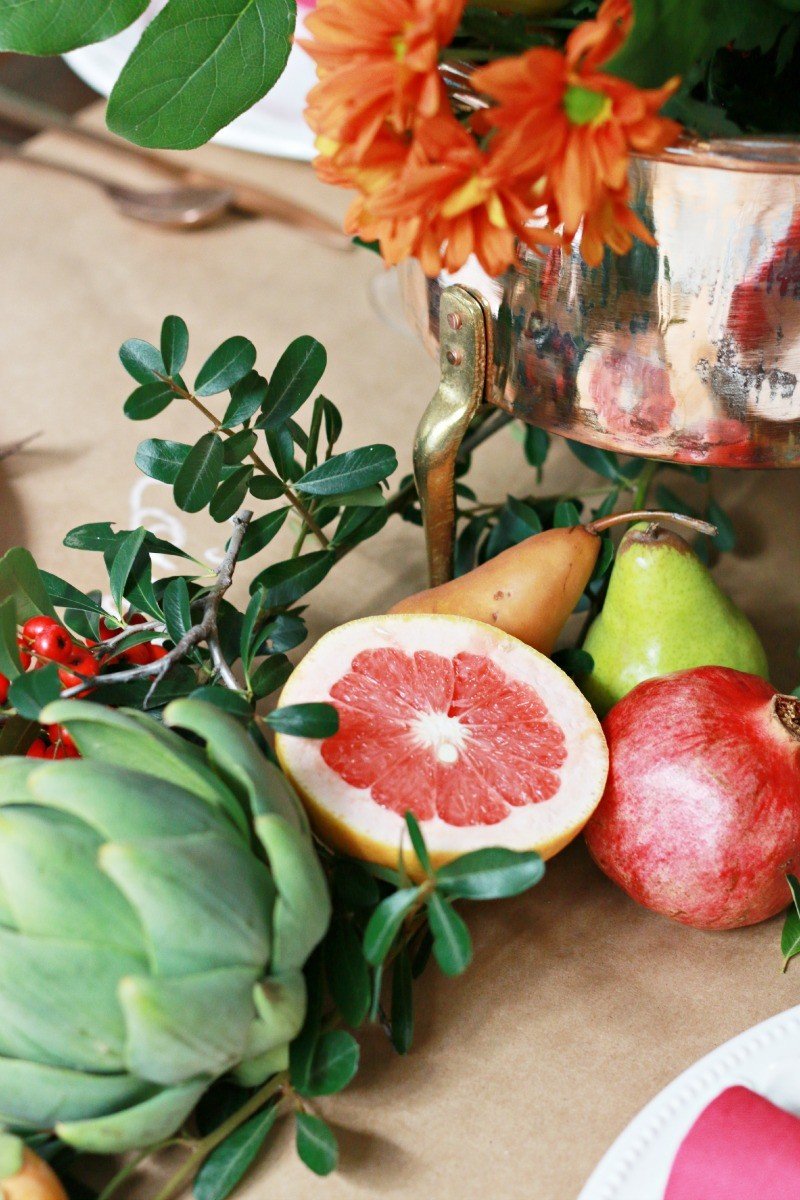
[348, 819]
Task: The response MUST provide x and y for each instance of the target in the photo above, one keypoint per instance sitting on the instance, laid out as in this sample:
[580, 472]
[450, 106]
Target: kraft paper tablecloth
[579, 1006]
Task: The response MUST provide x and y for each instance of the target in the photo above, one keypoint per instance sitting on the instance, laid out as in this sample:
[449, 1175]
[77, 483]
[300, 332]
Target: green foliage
[187, 78]
[790, 936]
[52, 27]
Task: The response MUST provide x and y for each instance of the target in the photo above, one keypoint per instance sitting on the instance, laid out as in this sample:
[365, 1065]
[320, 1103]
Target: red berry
[60, 737]
[137, 656]
[136, 619]
[5, 684]
[107, 631]
[84, 664]
[37, 749]
[157, 652]
[54, 644]
[36, 625]
[24, 657]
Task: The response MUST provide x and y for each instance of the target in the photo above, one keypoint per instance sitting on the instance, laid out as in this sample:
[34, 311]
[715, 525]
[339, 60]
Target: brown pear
[531, 589]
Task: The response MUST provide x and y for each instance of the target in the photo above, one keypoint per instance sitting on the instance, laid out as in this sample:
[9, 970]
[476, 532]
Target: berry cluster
[44, 640]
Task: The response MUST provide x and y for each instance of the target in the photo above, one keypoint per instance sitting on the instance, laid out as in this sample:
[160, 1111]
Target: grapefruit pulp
[484, 739]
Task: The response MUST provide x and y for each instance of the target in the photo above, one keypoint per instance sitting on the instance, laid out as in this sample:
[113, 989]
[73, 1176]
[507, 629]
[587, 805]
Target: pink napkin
[740, 1148]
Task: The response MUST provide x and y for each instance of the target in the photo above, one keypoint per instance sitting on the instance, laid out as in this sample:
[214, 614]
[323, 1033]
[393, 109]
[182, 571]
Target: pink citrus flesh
[485, 740]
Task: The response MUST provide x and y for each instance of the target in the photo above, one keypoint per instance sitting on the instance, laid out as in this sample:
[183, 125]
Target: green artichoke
[158, 900]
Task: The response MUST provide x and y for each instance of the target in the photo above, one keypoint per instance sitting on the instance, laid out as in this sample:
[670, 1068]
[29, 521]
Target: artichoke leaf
[136, 1127]
[122, 804]
[181, 1028]
[254, 1071]
[37, 1095]
[125, 739]
[238, 760]
[302, 908]
[281, 1004]
[12, 1151]
[14, 775]
[58, 1001]
[49, 874]
[204, 901]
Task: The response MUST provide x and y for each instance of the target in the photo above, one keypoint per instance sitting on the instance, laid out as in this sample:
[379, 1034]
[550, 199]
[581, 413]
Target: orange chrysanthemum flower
[573, 128]
[593, 43]
[451, 201]
[377, 61]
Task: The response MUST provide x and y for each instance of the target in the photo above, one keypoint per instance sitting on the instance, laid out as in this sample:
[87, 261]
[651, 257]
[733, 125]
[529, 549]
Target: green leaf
[64, 595]
[790, 937]
[349, 471]
[127, 550]
[418, 842]
[228, 1163]
[174, 344]
[285, 582]
[490, 874]
[402, 1011]
[266, 487]
[368, 497]
[30, 693]
[238, 446]
[177, 609]
[141, 360]
[576, 663]
[452, 945]
[260, 532]
[161, 459]
[305, 720]
[332, 419]
[566, 515]
[537, 446]
[334, 1064]
[230, 494]
[247, 397]
[189, 77]
[347, 971]
[357, 525]
[229, 363]
[297, 373]
[354, 887]
[281, 447]
[10, 664]
[21, 578]
[269, 675]
[148, 401]
[386, 922]
[53, 27]
[198, 477]
[316, 1144]
[666, 498]
[284, 633]
[668, 36]
[222, 697]
[247, 633]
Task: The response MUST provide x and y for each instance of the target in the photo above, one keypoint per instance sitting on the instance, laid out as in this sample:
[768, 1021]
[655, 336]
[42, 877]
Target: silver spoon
[173, 208]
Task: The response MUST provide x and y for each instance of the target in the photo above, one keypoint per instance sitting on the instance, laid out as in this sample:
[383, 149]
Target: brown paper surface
[579, 1006]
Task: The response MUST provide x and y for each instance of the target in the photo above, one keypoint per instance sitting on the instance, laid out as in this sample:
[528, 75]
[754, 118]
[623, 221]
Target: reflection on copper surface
[690, 351]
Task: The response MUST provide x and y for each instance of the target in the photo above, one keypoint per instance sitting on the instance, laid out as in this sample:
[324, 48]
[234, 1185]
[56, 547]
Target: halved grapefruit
[484, 739]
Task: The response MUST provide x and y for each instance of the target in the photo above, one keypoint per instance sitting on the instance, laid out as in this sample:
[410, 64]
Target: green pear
[663, 612]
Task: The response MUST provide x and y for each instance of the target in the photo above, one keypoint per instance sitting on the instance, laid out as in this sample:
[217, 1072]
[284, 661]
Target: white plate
[766, 1059]
[274, 125]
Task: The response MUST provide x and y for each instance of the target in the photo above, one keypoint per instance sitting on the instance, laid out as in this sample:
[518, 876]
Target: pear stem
[695, 523]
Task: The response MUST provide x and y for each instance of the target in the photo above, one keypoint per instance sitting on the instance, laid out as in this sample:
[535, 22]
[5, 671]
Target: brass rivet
[454, 357]
[454, 320]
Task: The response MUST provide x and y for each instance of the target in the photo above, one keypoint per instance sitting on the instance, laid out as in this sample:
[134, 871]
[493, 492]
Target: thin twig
[204, 631]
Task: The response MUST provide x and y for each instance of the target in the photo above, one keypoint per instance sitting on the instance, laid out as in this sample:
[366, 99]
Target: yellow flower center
[585, 107]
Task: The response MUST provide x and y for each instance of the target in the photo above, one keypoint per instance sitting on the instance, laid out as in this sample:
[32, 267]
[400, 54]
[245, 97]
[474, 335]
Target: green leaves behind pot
[188, 78]
[52, 27]
[790, 937]
[316, 1144]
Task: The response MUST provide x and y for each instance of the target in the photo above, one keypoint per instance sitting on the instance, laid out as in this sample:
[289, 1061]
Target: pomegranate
[700, 819]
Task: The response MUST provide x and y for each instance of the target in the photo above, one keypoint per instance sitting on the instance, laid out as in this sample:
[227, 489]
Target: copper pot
[689, 351]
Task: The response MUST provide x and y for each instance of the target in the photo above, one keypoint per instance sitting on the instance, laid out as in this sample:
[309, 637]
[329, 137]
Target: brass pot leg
[463, 342]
